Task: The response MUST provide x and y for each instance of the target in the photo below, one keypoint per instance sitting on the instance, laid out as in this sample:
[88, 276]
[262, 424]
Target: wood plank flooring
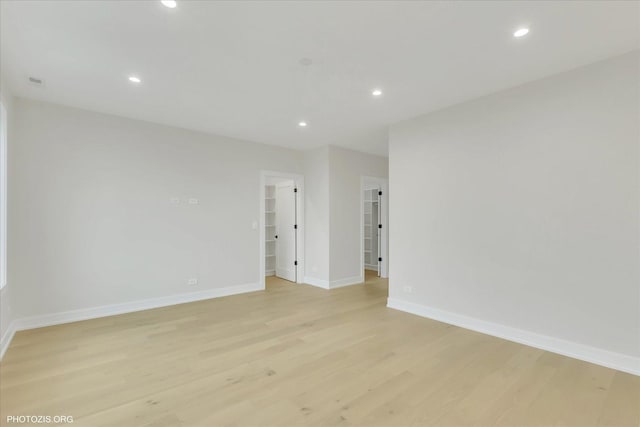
[295, 355]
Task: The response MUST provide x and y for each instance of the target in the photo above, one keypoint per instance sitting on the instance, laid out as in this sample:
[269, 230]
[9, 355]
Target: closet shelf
[370, 221]
[269, 228]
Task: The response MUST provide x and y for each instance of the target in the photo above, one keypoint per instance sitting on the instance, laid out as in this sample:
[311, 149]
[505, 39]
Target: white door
[286, 231]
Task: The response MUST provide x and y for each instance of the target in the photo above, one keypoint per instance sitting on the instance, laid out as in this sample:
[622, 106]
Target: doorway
[374, 226]
[285, 236]
[372, 229]
[281, 226]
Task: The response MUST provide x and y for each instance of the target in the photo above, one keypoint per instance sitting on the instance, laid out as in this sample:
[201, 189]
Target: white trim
[115, 309]
[299, 182]
[6, 338]
[130, 307]
[320, 283]
[618, 361]
[334, 284]
[348, 281]
[383, 184]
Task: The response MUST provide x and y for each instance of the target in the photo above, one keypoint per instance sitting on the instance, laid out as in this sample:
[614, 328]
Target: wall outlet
[193, 201]
[407, 289]
[192, 282]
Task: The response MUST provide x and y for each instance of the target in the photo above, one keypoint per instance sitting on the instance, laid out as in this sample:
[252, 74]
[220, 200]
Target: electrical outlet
[192, 282]
[407, 289]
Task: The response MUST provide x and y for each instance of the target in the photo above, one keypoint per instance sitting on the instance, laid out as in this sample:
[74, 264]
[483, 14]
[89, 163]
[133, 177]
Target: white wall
[333, 178]
[6, 309]
[346, 169]
[316, 170]
[522, 208]
[92, 220]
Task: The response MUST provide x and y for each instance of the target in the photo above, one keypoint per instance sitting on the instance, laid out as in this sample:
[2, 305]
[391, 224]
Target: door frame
[383, 183]
[299, 183]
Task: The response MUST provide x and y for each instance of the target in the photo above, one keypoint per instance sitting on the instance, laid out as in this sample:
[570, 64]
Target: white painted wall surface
[6, 308]
[522, 208]
[92, 219]
[316, 170]
[347, 167]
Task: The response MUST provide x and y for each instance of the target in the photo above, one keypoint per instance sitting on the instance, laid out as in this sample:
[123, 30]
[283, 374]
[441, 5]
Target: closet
[371, 229]
[280, 233]
[270, 230]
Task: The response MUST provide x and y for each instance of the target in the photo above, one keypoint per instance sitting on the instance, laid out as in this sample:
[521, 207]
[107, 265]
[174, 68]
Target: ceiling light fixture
[376, 92]
[302, 124]
[171, 4]
[134, 79]
[521, 32]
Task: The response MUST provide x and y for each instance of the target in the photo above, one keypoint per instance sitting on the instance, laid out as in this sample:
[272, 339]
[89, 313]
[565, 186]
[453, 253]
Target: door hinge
[379, 193]
[379, 259]
[295, 226]
[295, 190]
[295, 262]
[379, 225]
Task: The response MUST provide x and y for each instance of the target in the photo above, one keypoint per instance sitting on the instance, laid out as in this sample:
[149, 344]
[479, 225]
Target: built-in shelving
[269, 230]
[371, 220]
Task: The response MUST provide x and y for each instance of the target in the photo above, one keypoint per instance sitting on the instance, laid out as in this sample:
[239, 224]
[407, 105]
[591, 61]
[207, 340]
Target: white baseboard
[6, 338]
[348, 281]
[320, 283]
[334, 284]
[112, 310]
[618, 361]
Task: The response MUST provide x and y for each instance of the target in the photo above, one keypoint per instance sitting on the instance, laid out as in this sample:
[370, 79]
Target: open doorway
[374, 227]
[281, 226]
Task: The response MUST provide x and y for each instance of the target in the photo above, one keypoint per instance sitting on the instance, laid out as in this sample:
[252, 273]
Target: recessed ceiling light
[521, 32]
[376, 92]
[169, 3]
[302, 124]
[134, 79]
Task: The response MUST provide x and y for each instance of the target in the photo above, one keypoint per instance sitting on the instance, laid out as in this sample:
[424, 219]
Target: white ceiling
[232, 68]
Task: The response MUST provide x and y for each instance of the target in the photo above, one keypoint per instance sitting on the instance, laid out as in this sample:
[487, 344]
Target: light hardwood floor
[298, 355]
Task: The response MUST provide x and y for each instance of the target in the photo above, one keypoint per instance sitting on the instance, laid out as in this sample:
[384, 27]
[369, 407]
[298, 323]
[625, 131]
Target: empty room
[319, 213]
